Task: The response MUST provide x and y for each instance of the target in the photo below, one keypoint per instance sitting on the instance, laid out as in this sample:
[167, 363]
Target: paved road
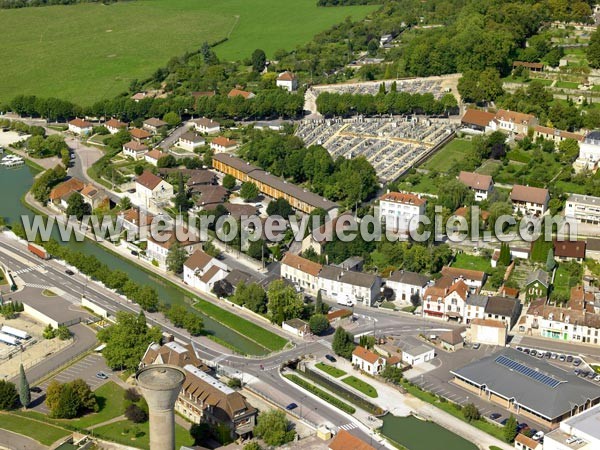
[171, 139]
[13, 441]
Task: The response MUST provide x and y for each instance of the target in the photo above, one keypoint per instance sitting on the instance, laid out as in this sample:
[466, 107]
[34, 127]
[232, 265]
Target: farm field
[87, 52]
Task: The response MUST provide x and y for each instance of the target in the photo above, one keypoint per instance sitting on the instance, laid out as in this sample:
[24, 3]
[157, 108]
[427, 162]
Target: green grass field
[472, 262]
[360, 386]
[452, 152]
[44, 434]
[333, 371]
[124, 432]
[489, 167]
[87, 52]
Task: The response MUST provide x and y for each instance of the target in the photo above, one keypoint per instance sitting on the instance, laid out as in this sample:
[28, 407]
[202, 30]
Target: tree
[77, 207]
[252, 446]
[550, 262]
[510, 429]
[69, 400]
[125, 203]
[372, 47]
[166, 161]
[8, 395]
[49, 332]
[415, 300]
[24, 393]
[259, 59]
[593, 50]
[343, 343]
[320, 307]
[392, 374]
[200, 432]
[127, 340]
[176, 257]
[132, 395]
[274, 428]
[229, 182]
[470, 412]
[136, 414]
[182, 201]
[172, 118]
[283, 303]
[63, 333]
[280, 207]
[249, 191]
[318, 324]
[504, 258]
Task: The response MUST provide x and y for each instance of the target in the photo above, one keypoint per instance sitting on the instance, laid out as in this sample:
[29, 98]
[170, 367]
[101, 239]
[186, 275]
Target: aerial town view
[311, 224]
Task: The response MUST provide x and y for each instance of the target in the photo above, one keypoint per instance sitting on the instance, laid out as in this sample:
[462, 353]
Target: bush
[136, 414]
[8, 395]
[131, 395]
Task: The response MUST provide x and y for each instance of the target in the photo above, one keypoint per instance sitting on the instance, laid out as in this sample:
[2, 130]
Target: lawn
[333, 371]
[258, 334]
[44, 434]
[562, 280]
[566, 85]
[489, 167]
[323, 395]
[472, 262]
[124, 432]
[448, 155]
[361, 386]
[87, 52]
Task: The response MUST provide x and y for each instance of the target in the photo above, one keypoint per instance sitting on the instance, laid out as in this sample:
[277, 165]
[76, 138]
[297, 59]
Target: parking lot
[86, 369]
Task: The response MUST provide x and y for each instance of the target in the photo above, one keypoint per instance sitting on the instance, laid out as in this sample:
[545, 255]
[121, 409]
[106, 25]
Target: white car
[597, 378]
[538, 436]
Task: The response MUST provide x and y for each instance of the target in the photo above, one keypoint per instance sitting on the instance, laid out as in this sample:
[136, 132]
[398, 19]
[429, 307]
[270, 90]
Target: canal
[15, 182]
[416, 434]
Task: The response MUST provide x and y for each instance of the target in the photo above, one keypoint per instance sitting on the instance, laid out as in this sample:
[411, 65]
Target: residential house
[513, 122]
[303, 272]
[95, 197]
[504, 309]
[64, 188]
[569, 250]
[210, 195]
[385, 40]
[400, 211]
[204, 125]
[114, 126]
[477, 119]
[415, 352]
[553, 134]
[139, 96]
[481, 185]
[346, 441]
[531, 66]
[592, 249]
[203, 398]
[336, 316]
[240, 93]
[152, 191]
[190, 141]
[589, 152]
[200, 177]
[446, 299]
[368, 361]
[488, 331]
[139, 135]
[273, 186]
[455, 301]
[153, 156]
[297, 327]
[223, 144]
[583, 208]
[475, 279]
[319, 236]
[134, 149]
[288, 81]
[80, 127]
[135, 221]
[475, 307]
[348, 287]
[202, 271]
[452, 340]
[529, 200]
[537, 285]
[406, 284]
[159, 246]
[154, 125]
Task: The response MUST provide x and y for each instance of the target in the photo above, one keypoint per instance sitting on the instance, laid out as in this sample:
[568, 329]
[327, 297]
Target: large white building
[589, 152]
[158, 247]
[348, 287]
[80, 127]
[401, 210]
[151, 191]
[405, 284]
[580, 432]
[202, 271]
[303, 272]
[583, 208]
[204, 125]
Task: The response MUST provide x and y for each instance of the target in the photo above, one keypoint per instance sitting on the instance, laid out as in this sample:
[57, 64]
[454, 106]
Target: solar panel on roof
[527, 371]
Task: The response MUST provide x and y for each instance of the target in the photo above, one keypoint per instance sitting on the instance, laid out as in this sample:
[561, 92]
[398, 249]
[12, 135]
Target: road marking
[37, 286]
[348, 426]
[28, 269]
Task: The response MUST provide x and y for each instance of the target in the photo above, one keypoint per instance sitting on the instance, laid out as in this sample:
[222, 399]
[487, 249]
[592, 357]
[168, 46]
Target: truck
[38, 251]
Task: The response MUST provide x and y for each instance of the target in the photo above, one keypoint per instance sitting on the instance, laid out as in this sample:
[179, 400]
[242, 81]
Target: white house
[223, 144]
[204, 125]
[589, 152]
[114, 126]
[400, 211]
[513, 122]
[405, 284]
[158, 247]
[583, 208]
[368, 361]
[297, 327]
[151, 191]
[153, 156]
[473, 278]
[475, 308]
[348, 287]
[481, 185]
[288, 81]
[134, 149]
[190, 141]
[529, 200]
[455, 301]
[135, 221]
[301, 271]
[80, 127]
[202, 271]
[415, 352]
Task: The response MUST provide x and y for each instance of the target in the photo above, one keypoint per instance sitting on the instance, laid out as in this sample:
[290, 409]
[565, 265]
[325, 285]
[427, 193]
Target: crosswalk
[348, 426]
[27, 269]
[37, 286]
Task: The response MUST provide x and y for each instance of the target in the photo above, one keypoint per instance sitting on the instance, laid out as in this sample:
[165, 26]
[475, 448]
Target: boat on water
[12, 161]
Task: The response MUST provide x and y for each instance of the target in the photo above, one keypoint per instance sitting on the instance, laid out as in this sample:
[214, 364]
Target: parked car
[576, 362]
[36, 389]
[569, 359]
[134, 253]
[562, 358]
[330, 358]
[522, 426]
[554, 356]
[597, 378]
[577, 371]
[102, 376]
[538, 436]
[476, 345]
[591, 375]
[526, 350]
[503, 423]
[291, 406]
[533, 352]
[69, 272]
[520, 349]
[495, 416]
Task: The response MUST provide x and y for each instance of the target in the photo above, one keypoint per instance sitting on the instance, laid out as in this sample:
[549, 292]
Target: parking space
[87, 369]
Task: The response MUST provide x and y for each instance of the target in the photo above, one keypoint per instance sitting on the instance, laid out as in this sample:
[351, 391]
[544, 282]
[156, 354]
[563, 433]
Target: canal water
[15, 182]
[416, 434]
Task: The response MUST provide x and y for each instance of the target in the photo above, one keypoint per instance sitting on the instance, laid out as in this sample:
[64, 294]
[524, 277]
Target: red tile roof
[148, 180]
[403, 197]
[365, 355]
[513, 116]
[59, 191]
[114, 123]
[138, 133]
[345, 441]
[155, 154]
[239, 92]
[133, 216]
[80, 123]
[475, 180]
[135, 146]
[556, 132]
[455, 272]
[224, 142]
[477, 117]
[286, 76]
[302, 264]
[529, 194]
[569, 249]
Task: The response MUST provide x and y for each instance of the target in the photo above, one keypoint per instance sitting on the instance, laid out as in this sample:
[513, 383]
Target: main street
[266, 381]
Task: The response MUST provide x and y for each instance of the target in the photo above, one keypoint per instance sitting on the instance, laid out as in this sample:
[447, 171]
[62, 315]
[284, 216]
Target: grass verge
[361, 386]
[321, 393]
[333, 371]
[44, 433]
[137, 435]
